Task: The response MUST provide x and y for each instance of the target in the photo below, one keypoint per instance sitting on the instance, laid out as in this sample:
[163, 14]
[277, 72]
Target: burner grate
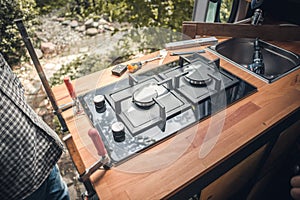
[137, 118]
[177, 105]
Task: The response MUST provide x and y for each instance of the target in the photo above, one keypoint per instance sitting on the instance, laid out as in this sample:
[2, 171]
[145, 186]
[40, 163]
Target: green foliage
[12, 46]
[225, 10]
[79, 67]
[45, 6]
[149, 13]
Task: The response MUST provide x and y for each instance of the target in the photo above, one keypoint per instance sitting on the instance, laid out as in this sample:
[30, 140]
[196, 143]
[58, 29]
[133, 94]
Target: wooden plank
[74, 154]
[266, 32]
[189, 31]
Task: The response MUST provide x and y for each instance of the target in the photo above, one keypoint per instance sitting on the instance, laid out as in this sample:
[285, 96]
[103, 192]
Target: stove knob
[118, 130]
[99, 102]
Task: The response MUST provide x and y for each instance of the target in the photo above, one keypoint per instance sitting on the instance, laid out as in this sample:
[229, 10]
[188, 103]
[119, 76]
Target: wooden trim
[189, 31]
[266, 32]
[74, 154]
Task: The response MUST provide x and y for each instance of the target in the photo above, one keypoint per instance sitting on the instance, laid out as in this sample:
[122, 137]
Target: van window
[225, 10]
[220, 11]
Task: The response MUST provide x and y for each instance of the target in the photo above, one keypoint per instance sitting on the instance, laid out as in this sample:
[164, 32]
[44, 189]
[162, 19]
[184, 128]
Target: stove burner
[143, 96]
[198, 75]
[159, 103]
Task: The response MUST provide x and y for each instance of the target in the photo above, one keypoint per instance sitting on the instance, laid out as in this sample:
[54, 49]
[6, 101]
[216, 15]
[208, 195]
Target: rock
[41, 36]
[44, 103]
[54, 18]
[73, 192]
[48, 47]
[102, 21]
[117, 25]
[66, 22]
[42, 111]
[34, 100]
[80, 29]
[39, 53]
[95, 24]
[74, 24]
[29, 99]
[49, 66]
[84, 49]
[60, 19]
[101, 29]
[91, 31]
[40, 96]
[105, 16]
[109, 28]
[48, 118]
[68, 180]
[43, 39]
[89, 23]
[33, 88]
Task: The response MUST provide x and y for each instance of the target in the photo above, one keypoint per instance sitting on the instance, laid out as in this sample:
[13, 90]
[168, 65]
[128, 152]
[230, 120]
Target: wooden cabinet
[276, 159]
[240, 176]
[234, 179]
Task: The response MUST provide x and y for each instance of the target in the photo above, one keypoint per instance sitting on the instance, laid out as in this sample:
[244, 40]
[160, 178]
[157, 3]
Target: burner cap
[197, 75]
[143, 96]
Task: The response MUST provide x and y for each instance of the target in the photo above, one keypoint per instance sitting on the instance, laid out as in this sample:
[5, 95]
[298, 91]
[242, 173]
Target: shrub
[12, 47]
[150, 13]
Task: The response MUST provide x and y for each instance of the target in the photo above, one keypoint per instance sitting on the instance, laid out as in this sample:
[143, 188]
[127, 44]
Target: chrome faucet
[257, 66]
[257, 17]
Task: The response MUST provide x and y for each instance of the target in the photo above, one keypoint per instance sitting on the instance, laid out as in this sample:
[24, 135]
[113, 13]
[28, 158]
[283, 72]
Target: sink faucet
[257, 17]
[257, 66]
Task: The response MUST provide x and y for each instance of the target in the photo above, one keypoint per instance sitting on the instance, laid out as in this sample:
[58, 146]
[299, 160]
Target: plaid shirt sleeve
[29, 149]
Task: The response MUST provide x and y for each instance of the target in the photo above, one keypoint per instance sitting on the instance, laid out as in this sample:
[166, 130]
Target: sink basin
[277, 61]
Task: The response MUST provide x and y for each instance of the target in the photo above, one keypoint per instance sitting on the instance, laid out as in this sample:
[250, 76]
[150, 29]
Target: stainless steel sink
[277, 61]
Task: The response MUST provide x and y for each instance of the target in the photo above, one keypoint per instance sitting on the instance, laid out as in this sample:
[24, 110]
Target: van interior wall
[283, 10]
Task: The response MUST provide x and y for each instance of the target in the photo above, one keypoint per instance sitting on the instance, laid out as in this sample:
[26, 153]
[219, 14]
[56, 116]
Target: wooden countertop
[169, 166]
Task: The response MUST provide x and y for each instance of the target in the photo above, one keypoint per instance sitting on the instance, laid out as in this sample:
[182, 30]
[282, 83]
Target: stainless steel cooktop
[137, 112]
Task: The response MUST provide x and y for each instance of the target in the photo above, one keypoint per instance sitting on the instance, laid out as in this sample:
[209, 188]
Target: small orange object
[133, 67]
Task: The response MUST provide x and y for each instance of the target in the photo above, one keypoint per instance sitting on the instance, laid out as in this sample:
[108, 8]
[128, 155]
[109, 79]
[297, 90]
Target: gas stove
[135, 113]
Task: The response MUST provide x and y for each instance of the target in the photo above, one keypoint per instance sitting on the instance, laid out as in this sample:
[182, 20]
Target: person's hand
[295, 191]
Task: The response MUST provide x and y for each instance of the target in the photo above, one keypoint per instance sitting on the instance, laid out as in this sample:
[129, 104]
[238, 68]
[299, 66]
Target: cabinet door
[285, 142]
[276, 159]
[233, 180]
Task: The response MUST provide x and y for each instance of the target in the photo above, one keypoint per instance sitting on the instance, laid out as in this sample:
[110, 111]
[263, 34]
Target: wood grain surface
[266, 31]
[241, 123]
